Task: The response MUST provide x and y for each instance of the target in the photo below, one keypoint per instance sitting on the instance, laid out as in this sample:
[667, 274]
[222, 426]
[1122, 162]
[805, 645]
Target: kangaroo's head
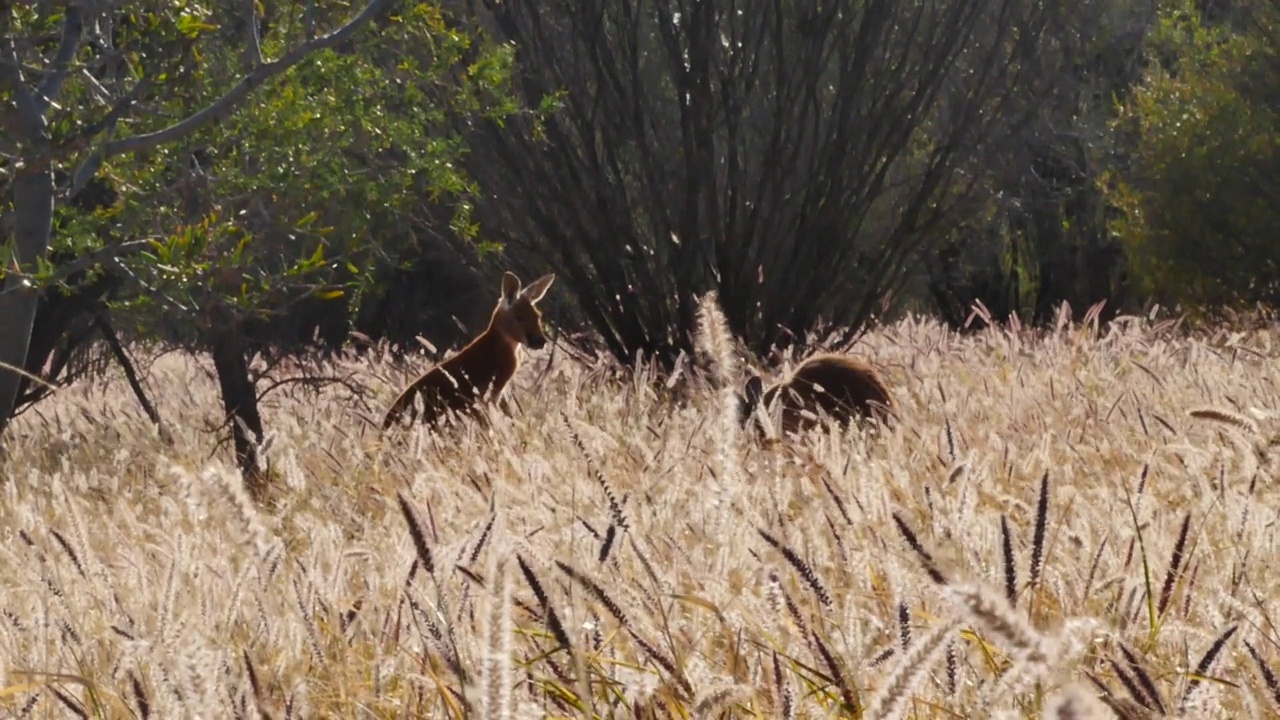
[517, 318]
[749, 399]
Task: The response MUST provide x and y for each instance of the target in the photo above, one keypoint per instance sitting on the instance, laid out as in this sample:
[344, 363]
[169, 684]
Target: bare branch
[106, 123]
[103, 323]
[253, 50]
[312, 382]
[225, 105]
[72, 25]
[309, 19]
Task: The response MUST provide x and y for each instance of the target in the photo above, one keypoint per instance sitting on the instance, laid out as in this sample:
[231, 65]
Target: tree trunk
[33, 226]
[239, 401]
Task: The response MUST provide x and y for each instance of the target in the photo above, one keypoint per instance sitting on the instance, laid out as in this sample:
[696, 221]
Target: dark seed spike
[417, 532]
[803, 568]
[66, 547]
[484, 539]
[553, 620]
[1202, 667]
[837, 675]
[470, 575]
[1106, 691]
[666, 663]
[777, 672]
[783, 689]
[1042, 518]
[1191, 590]
[1175, 565]
[1010, 567]
[29, 705]
[1129, 684]
[924, 555]
[1143, 679]
[646, 565]
[609, 536]
[794, 611]
[880, 657]
[139, 696]
[904, 625]
[598, 592]
[71, 703]
[844, 512]
[951, 669]
[615, 508]
[835, 535]
[253, 678]
[590, 528]
[1093, 568]
[1268, 676]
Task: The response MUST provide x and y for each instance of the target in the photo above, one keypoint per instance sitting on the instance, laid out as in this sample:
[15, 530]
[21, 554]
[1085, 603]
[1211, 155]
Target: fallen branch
[131, 374]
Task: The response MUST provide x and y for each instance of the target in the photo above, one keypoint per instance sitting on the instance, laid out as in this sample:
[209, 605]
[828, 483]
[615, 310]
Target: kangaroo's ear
[538, 288]
[754, 390]
[510, 287]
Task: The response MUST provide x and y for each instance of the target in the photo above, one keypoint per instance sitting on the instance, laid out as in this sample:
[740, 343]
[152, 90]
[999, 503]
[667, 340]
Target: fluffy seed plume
[890, 701]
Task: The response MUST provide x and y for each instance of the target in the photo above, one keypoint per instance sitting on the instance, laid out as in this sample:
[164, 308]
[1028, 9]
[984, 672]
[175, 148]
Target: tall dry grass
[1061, 525]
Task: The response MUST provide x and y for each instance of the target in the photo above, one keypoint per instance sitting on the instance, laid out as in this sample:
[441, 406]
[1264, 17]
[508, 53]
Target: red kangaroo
[480, 371]
[840, 386]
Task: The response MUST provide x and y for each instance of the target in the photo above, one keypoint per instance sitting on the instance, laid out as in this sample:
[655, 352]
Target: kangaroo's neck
[487, 361]
[493, 344]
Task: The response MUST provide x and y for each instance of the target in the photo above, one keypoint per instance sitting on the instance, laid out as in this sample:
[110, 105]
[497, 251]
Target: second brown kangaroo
[480, 371]
[839, 386]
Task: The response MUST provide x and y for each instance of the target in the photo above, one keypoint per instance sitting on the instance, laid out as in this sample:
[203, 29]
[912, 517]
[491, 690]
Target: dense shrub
[1201, 213]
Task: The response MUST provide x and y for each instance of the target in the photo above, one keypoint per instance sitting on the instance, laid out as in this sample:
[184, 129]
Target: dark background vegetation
[821, 165]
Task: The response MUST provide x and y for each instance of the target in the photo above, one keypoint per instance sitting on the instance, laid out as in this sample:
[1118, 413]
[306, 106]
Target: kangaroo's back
[842, 386]
[839, 386]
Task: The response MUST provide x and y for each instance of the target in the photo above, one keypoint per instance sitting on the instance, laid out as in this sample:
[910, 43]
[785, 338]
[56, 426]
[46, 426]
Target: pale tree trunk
[33, 225]
[26, 122]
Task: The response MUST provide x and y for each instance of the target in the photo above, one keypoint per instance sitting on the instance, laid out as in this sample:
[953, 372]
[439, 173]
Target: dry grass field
[1065, 524]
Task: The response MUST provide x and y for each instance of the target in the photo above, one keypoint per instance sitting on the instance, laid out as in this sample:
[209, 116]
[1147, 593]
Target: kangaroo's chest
[472, 379]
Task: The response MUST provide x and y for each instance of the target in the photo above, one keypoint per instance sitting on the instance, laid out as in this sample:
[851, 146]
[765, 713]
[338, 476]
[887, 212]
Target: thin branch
[312, 382]
[156, 293]
[225, 105]
[309, 19]
[84, 262]
[107, 123]
[72, 25]
[99, 91]
[253, 51]
[101, 320]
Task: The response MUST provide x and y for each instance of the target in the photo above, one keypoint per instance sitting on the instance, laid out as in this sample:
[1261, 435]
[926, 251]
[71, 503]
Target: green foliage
[1200, 213]
[315, 184]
